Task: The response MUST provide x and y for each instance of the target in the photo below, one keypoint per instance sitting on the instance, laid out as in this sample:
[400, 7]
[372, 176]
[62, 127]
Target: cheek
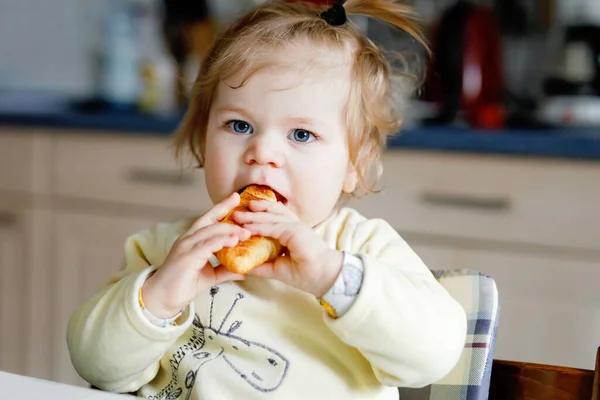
[322, 183]
[217, 152]
[218, 170]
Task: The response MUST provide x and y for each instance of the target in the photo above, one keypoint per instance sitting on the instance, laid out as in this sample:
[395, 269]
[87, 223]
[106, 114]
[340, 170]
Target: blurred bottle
[119, 76]
[189, 30]
[158, 70]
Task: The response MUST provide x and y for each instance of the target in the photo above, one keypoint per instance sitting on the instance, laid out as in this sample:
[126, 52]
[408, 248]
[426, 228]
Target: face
[284, 128]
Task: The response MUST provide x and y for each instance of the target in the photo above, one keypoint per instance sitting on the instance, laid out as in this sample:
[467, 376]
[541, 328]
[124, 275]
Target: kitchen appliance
[572, 88]
[572, 91]
[464, 78]
[579, 63]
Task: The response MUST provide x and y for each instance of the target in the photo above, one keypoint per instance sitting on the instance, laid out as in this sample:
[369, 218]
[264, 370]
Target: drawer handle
[7, 219]
[159, 177]
[465, 201]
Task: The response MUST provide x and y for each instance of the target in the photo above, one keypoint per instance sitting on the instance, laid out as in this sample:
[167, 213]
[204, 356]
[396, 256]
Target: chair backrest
[528, 381]
[470, 378]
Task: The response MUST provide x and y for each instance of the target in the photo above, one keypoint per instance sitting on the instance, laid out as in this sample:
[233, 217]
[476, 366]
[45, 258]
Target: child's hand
[186, 273]
[309, 264]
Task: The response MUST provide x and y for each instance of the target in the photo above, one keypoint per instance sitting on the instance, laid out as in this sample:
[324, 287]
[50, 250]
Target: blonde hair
[372, 111]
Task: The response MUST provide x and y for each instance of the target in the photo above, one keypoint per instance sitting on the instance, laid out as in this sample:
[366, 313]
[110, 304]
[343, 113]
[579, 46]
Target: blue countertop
[559, 143]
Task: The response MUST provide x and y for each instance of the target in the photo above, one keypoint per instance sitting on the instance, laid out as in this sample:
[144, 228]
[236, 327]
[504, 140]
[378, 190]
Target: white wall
[47, 44]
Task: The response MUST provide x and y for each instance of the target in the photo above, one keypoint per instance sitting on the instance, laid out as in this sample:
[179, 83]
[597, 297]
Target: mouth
[280, 198]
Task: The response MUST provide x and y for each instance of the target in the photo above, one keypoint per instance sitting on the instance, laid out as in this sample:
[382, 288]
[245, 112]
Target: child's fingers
[216, 213]
[222, 274]
[278, 269]
[266, 229]
[244, 217]
[266, 271]
[283, 232]
[271, 207]
[213, 231]
[205, 249]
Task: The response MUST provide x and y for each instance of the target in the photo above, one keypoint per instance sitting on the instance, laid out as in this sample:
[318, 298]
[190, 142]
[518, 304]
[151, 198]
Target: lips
[280, 198]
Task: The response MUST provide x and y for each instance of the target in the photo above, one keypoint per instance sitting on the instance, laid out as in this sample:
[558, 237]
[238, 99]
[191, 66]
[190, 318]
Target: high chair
[470, 378]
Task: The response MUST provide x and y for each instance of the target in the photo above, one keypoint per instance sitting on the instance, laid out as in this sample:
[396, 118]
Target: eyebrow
[303, 121]
[246, 114]
[233, 109]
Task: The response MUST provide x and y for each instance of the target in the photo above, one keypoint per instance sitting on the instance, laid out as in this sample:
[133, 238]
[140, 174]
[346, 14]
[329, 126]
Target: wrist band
[341, 296]
[160, 322]
[328, 308]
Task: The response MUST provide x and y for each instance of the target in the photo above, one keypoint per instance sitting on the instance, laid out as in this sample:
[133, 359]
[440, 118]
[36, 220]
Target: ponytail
[392, 12]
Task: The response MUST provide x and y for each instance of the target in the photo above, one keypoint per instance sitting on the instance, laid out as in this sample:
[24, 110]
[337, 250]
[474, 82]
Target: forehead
[293, 80]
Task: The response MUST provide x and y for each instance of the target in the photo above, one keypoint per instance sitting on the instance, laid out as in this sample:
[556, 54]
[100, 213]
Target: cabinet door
[542, 202]
[88, 251]
[24, 161]
[549, 303]
[13, 291]
[141, 172]
[23, 261]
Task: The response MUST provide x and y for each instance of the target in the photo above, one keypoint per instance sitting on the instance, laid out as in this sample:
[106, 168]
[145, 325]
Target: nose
[264, 150]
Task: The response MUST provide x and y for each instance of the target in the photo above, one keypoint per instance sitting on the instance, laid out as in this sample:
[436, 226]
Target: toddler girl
[291, 96]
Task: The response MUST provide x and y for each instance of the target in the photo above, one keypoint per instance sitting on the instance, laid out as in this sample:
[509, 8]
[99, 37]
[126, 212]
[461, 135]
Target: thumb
[266, 271]
[272, 269]
[222, 274]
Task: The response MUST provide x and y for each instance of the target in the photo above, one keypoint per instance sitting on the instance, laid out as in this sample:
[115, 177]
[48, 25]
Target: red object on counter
[482, 80]
[465, 76]
[490, 116]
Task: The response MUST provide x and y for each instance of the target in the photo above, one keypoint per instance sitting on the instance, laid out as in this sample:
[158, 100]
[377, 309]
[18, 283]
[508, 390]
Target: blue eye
[239, 126]
[302, 136]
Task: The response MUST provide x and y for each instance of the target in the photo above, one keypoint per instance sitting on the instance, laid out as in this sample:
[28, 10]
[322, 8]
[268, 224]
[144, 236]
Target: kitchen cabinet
[537, 202]
[23, 326]
[134, 172]
[532, 225]
[24, 156]
[98, 203]
[550, 303]
[13, 297]
[71, 199]
[24, 161]
[105, 188]
[88, 250]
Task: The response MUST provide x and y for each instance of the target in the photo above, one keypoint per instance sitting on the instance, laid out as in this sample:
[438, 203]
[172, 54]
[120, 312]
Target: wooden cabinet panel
[134, 170]
[88, 250]
[13, 293]
[40, 282]
[24, 161]
[549, 306]
[540, 202]
[25, 323]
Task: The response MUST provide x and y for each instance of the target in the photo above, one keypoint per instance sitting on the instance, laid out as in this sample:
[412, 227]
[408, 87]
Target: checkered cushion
[470, 378]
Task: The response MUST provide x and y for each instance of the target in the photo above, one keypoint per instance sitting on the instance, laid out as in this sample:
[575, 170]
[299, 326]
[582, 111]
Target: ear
[351, 180]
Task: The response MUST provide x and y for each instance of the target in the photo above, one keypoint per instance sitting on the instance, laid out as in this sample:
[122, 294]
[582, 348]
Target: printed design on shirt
[260, 366]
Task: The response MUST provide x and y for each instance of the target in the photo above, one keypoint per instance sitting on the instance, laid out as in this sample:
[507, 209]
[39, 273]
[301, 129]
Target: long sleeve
[112, 344]
[403, 321]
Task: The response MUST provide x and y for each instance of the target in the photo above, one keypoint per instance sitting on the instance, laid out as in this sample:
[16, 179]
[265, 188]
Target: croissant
[257, 250]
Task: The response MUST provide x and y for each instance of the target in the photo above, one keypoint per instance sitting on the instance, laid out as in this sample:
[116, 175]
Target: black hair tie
[336, 15]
